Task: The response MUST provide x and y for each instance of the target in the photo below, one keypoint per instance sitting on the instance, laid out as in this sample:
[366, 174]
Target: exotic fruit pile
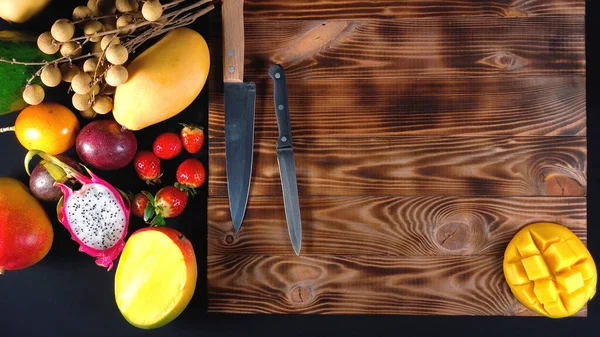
[92, 56]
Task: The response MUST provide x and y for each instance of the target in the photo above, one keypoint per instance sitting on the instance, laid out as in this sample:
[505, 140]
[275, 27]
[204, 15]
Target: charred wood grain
[540, 106]
[432, 285]
[483, 166]
[388, 9]
[413, 48]
[402, 226]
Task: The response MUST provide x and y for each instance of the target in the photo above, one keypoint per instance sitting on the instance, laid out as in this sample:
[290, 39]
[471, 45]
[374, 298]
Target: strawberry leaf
[148, 212]
[158, 221]
[150, 197]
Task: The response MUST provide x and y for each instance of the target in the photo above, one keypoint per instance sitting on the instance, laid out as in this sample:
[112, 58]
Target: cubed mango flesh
[549, 270]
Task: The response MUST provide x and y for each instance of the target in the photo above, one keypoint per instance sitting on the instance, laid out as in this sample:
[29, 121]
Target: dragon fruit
[96, 214]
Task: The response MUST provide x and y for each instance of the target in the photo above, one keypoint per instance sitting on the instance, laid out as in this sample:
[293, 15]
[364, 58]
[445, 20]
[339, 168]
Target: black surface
[67, 295]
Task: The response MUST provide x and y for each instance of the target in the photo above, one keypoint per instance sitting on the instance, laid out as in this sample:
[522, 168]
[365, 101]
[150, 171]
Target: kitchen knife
[239, 98]
[285, 158]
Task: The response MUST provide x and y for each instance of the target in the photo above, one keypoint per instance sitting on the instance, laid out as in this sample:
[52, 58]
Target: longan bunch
[93, 77]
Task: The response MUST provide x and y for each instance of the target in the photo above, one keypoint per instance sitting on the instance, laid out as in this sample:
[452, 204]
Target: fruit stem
[7, 129]
[57, 173]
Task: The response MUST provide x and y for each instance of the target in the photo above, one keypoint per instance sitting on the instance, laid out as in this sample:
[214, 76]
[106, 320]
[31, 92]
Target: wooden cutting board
[426, 133]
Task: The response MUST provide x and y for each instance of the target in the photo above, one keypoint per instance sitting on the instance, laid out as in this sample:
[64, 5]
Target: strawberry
[169, 202]
[190, 175]
[147, 166]
[192, 137]
[138, 204]
[167, 145]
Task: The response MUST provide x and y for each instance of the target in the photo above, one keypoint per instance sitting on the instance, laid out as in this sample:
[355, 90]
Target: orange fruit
[48, 127]
[550, 270]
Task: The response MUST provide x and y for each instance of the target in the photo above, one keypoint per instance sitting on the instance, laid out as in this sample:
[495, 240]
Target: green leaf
[192, 126]
[148, 212]
[158, 221]
[150, 197]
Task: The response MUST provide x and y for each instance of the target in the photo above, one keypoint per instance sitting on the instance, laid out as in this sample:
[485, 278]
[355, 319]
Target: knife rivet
[230, 52]
[280, 107]
[277, 75]
[284, 139]
[231, 69]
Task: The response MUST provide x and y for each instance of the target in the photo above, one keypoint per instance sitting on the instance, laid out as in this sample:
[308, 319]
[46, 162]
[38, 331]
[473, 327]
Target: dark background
[66, 294]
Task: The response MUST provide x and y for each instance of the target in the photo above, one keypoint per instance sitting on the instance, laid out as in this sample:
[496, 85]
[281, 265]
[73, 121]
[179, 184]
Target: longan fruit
[95, 89]
[51, 75]
[82, 83]
[82, 102]
[33, 94]
[88, 113]
[47, 44]
[62, 30]
[95, 47]
[89, 66]
[108, 90]
[91, 28]
[94, 65]
[109, 23]
[107, 6]
[72, 49]
[81, 12]
[152, 10]
[109, 39]
[102, 104]
[125, 6]
[116, 54]
[125, 20]
[116, 76]
[69, 71]
[93, 6]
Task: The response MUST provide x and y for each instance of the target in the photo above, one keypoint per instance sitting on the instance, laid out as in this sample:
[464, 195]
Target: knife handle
[282, 111]
[232, 12]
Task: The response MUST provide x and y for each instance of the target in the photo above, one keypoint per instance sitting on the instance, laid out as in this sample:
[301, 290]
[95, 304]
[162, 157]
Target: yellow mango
[553, 262]
[20, 11]
[163, 80]
[156, 277]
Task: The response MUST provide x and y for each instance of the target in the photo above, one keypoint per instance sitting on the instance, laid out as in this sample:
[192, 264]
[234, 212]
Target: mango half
[156, 277]
[163, 80]
[549, 270]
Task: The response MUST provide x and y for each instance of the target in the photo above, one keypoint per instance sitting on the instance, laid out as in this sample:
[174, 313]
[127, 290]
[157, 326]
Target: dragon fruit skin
[109, 224]
[96, 215]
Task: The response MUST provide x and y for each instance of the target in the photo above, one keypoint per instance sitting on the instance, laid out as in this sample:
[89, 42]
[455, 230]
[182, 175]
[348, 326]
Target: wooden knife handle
[233, 40]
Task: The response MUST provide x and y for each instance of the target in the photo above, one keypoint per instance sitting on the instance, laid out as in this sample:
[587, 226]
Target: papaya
[13, 77]
[163, 80]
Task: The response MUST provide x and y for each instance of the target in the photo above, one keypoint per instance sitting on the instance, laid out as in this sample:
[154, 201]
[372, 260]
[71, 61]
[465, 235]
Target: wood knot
[300, 295]
[504, 60]
[453, 235]
[229, 239]
[514, 13]
[562, 185]
[462, 233]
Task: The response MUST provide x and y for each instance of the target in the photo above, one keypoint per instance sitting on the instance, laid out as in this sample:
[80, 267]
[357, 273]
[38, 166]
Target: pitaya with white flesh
[96, 215]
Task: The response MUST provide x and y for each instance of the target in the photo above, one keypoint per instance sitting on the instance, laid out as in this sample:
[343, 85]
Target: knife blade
[285, 158]
[239, 102]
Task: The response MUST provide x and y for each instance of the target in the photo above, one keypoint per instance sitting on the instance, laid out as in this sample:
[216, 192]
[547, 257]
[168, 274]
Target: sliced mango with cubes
[549, 270]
